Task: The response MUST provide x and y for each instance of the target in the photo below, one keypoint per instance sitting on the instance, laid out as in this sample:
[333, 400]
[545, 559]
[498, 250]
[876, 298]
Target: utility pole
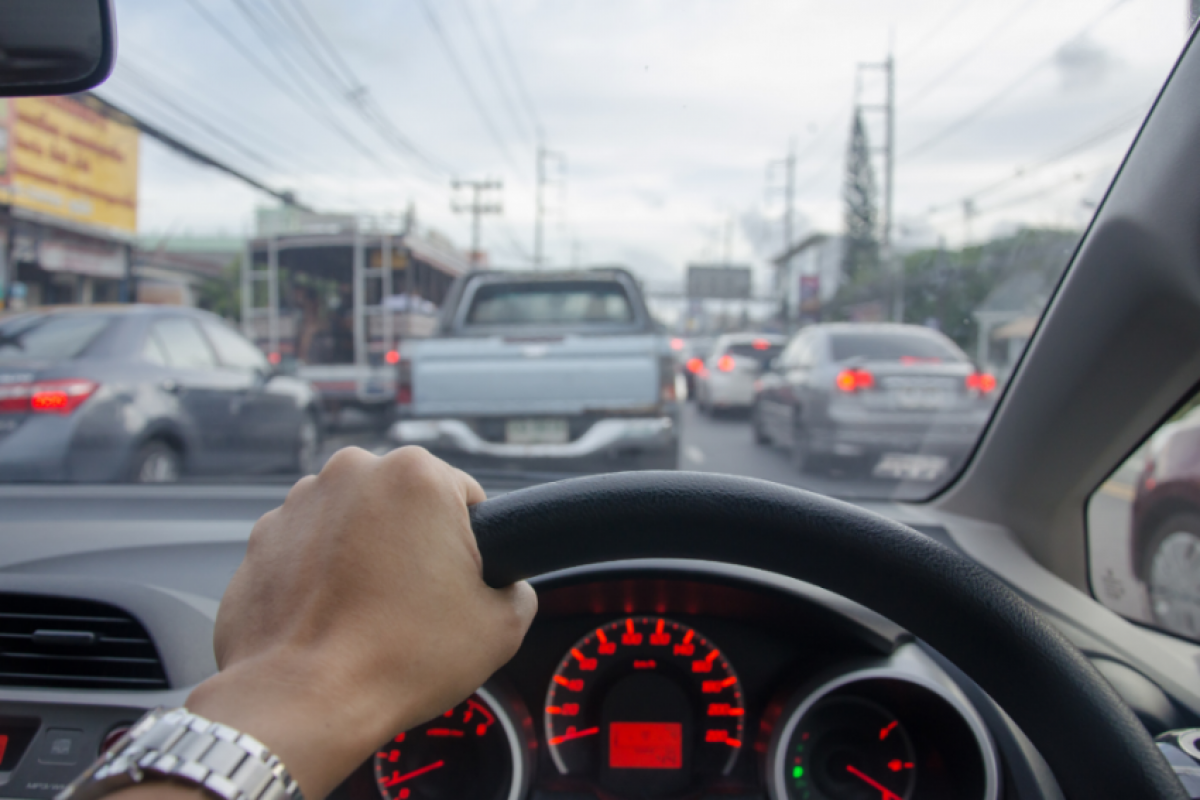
[888, 150]
[477, 208]
[545, 158]
[789, 211]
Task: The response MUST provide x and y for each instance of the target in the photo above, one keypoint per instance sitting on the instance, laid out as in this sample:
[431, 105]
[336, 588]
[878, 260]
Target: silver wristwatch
[177, 744]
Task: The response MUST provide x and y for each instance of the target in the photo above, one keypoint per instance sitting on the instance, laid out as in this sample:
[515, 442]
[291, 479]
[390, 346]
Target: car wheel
[1172, 567]
[308, 445]
[756, 425]
[156, 462]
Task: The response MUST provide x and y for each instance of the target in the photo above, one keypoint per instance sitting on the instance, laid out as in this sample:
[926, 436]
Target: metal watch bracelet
[180, 745]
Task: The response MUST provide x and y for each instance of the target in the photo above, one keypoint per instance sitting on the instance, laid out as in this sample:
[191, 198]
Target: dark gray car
[897, 401]
[144, 394]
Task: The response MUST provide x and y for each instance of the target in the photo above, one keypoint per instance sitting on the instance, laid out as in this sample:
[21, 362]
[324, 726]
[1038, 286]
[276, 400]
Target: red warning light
[645, 745]
[392, 357]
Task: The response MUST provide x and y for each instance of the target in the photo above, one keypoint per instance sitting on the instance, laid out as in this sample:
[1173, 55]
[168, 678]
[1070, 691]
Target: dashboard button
[61, 746]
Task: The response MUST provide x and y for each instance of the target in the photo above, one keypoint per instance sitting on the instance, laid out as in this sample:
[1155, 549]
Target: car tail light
[666, 379]
[695, 365]
[392, 356]
[274, 358]
[677, 344]
[761, 344]
[726, 363]
[982, 382]
[60, 396]
[404, 382]
[855, 380]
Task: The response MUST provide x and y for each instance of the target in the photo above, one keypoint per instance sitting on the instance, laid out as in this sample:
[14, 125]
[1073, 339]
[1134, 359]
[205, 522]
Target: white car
[726, 382]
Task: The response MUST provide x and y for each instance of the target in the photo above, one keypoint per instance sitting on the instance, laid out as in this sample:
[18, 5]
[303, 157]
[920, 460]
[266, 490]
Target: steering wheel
[1086, 733]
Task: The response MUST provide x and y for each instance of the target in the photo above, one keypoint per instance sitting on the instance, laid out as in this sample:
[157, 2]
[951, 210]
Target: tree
[223, 295]
[860, 257]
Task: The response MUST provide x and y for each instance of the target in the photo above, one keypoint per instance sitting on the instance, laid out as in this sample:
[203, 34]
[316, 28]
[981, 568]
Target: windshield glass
[550, 304]
[51, 338]
[907, 348]
[803, 242]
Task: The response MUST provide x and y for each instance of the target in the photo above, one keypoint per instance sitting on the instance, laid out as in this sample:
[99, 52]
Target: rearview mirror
[51, 47]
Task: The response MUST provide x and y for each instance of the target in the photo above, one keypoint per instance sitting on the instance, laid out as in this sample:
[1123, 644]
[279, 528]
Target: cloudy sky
[667, 113]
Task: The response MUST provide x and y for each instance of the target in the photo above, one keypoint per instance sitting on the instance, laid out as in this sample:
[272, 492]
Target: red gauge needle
[402, 778]
[886, 793]
[566, 737]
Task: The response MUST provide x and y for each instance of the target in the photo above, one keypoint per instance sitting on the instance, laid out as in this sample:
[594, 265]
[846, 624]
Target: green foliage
[223, 295]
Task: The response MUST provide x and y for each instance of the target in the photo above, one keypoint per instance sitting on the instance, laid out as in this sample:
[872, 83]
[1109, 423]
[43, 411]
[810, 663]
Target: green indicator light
[797, 772]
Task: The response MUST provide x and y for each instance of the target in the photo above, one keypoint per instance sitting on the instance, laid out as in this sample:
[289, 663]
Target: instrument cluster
[649, 705]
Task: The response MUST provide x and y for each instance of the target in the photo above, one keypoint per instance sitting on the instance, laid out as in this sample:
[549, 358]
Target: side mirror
[52, 47]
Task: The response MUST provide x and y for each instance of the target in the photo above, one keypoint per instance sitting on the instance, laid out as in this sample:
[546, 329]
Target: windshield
[804, 242]
[907, 348]
[550, 304]
[49, 338]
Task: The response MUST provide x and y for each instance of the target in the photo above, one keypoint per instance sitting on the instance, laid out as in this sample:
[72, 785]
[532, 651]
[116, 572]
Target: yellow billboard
[64, 159]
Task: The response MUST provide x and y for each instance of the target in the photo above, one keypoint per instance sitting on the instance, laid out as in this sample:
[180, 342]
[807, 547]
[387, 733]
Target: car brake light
[695, 365]
[274, 358]
[666, 379]
[760, 344]
[981, 382]
[677, 344]
[854, 380]
[404, 382]
[60, 396]
[726, 363]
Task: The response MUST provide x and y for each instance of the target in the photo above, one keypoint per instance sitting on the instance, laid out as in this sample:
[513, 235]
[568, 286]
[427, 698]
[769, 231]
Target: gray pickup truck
[562, 371]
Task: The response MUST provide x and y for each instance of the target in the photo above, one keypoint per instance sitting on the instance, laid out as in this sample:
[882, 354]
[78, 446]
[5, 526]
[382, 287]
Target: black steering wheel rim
[1089, 737]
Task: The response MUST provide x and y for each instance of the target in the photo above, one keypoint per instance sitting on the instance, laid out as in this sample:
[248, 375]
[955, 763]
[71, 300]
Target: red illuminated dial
[464, 754]
[646, 702]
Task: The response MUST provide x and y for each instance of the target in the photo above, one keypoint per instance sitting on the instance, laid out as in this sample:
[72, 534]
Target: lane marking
[694, 453]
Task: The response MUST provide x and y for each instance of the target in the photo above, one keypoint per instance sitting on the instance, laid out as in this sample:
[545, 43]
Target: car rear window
[49, 337]
[761, 351]
[551, 303]
[892, 346]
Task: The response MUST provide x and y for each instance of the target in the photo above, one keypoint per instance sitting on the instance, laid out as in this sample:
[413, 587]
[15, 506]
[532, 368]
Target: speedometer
[645, 706]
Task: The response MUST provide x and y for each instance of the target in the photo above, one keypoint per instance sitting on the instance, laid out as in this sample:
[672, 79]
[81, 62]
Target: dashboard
[657, 685]
[649, 679]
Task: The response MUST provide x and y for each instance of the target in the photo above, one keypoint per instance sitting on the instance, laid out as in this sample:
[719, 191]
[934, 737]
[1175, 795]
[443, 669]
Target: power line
[1102, 134]
[342, 81]
[493, 69]
[1010, 87]
[318, 112]
[464, 78]
[992, 34]
[514, 69]
[139, 80]
[937, 28]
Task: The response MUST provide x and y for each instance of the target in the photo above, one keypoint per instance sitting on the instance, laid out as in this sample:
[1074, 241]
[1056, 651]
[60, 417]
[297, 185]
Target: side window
[1143, 528]
[804, 353]
[153, 350]
[183, 344]
[788, 357]
[233, 349]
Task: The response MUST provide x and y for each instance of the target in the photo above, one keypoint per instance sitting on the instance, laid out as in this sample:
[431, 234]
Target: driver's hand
[359, 611]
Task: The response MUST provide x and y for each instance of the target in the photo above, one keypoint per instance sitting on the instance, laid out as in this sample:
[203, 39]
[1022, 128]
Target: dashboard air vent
[58, 642]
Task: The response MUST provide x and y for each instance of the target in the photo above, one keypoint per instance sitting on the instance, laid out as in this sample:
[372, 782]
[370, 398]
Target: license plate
[905, 466]
[922, 398]
[536, 431]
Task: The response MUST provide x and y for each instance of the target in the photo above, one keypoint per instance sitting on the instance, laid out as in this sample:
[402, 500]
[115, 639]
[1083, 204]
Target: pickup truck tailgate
[497, 376]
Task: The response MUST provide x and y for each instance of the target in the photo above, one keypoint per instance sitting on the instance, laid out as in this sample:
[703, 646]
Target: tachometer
[469, 753]
[647, 706]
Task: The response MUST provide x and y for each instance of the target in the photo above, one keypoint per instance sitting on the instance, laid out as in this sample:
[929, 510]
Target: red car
[1165, 545]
